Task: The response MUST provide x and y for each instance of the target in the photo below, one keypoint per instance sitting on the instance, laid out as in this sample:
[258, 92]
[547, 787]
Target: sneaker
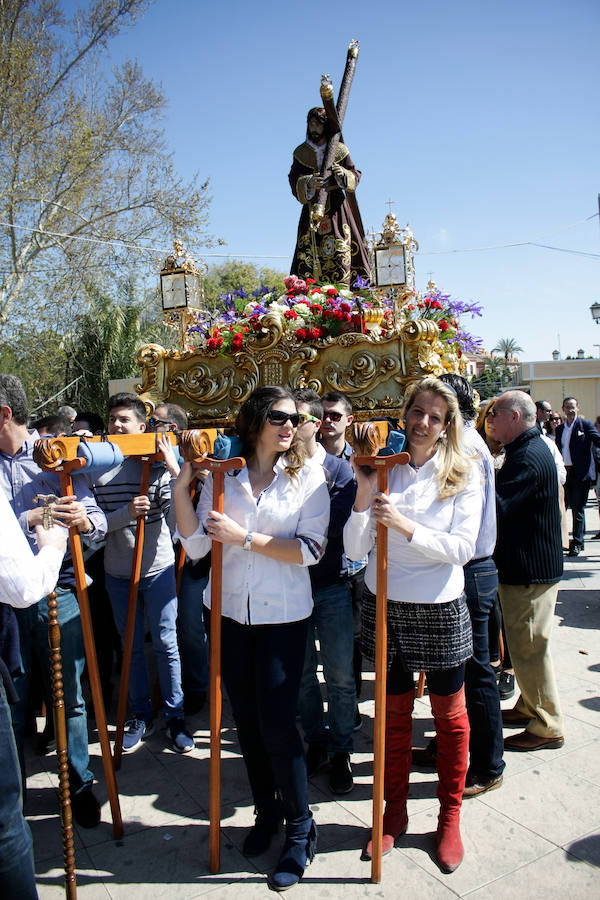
[340, 776]
[136, 731]
[506, 685]
[181, 739]
[316, 757]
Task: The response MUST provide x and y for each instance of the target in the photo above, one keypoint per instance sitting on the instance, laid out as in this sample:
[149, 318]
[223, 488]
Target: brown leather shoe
[513, 718]
[525, 742]
[479, 786]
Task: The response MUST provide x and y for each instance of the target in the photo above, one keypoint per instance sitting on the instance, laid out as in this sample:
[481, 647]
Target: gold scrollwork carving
[148, 358]
[202, 386]
[363, 372]
[298, 371]
[270, 333]
[419, 330]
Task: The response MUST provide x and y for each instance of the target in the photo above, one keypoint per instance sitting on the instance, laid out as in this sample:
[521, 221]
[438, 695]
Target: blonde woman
[432, 513]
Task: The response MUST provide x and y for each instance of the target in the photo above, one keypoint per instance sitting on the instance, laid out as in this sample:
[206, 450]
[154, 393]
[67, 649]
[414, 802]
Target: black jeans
[576, 495]
[261, 668]
[486, 744]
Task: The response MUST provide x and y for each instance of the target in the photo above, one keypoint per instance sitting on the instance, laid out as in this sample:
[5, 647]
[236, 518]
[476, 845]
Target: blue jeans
[332, 622]
[486, 744]
[17, 879]
[158, 600]
[262, 667]
[33, 638]
[193, 642]
[576, 495]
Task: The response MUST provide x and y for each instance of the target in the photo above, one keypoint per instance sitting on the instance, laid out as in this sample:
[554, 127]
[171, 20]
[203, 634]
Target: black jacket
[529, 545]
[583, 437]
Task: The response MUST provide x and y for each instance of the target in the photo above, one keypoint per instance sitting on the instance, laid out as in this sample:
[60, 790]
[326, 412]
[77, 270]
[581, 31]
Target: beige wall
[553, 381]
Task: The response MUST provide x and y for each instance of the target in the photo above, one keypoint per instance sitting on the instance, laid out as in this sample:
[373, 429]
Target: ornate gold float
[373, 364]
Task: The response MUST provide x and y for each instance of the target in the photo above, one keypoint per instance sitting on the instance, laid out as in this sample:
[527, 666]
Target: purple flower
[361, 283]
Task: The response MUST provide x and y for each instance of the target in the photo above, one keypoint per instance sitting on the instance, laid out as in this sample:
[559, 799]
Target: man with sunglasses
[331, 619]
[191, 633]
[337, 417]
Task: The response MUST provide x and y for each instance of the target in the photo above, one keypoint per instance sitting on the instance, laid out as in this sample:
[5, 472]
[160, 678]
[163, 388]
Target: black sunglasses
[334, 416]
[279, 417]
[153, 422]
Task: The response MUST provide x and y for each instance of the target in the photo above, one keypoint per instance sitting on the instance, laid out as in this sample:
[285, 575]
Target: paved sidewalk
[538, 836]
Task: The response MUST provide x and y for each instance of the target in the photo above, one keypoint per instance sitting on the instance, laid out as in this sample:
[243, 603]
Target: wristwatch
[247, 545]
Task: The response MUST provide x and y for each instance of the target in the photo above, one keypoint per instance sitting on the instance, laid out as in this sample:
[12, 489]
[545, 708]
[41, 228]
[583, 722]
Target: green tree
[83, 156]
[235, 274]
[105, 340]
[507, 347]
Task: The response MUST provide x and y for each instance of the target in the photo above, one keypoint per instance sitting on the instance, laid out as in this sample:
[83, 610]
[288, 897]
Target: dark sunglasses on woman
[279, 417]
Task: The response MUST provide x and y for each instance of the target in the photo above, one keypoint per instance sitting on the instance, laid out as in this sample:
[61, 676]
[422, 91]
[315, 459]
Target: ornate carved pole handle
[58, 714]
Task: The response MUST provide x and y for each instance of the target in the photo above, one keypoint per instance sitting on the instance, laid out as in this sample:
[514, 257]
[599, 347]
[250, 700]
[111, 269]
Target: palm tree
[508, 347]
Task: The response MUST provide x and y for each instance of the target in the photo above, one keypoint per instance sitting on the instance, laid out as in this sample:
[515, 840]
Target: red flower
[443, 325]
[316, 309]
[290, 314]
[301, 334]
[245, 329]
[214, 343]
[338, 315]
[328, 314]
[410, 307]
[331, 292]
[436, 304]
[255, 322]
[347, 317]
[238, 341]
[310, 281]
[345, 306]
[314, 290]
[315, 333]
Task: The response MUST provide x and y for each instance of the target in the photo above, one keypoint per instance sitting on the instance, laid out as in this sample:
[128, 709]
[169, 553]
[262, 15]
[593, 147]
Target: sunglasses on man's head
[279, 417]
[334, 416]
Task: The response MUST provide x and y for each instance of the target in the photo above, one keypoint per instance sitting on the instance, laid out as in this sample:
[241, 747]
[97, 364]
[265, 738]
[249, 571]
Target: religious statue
[331, 242]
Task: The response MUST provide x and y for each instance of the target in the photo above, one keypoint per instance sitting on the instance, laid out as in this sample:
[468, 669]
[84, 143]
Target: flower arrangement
[309, 313]
[313, 313]
[439, 307]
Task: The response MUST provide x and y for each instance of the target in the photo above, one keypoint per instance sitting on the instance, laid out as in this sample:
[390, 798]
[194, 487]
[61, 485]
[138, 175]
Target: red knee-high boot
[398, 740]
[452, 729]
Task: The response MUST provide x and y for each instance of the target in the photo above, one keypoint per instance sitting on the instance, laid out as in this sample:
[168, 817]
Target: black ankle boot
[258, 840]
[298, 851]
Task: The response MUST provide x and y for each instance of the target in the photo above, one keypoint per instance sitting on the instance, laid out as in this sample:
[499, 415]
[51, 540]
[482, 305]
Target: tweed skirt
[427, 636]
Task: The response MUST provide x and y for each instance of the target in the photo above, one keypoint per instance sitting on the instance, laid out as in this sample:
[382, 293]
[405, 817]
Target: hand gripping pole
[195, 453]
[48, 454]
[382, 465]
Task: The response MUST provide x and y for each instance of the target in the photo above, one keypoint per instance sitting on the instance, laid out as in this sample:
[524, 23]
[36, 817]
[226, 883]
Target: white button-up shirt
[258, 590]
[24, 577]
[428, 568]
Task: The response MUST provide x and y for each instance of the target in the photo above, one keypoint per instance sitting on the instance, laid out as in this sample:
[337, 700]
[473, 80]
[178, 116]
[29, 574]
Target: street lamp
[595, 311]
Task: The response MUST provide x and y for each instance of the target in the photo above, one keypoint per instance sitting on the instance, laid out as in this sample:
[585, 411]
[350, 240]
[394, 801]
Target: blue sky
[478, 119]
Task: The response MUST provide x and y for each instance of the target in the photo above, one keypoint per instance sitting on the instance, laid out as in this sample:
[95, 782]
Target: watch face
[390, 266]
[173, 291]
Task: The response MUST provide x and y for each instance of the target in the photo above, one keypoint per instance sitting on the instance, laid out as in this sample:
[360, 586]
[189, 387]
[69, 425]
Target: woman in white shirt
[276, 513]
[432, 514]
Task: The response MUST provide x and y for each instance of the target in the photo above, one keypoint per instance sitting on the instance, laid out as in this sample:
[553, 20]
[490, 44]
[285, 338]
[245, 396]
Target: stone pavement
[535, 837]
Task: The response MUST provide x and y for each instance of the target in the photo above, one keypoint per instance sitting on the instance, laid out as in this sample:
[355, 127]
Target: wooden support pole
[60, 731]
[134, 584]
[382, 465]
[90, 653]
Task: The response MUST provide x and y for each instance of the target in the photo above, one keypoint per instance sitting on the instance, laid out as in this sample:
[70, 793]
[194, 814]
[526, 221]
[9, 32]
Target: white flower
[303, 309]
[347, 294]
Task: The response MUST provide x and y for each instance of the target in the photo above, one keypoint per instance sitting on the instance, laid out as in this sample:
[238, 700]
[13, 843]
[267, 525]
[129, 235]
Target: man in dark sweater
[530, 564]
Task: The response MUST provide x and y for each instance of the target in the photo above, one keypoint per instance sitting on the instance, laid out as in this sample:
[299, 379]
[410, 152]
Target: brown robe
[339, 243]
